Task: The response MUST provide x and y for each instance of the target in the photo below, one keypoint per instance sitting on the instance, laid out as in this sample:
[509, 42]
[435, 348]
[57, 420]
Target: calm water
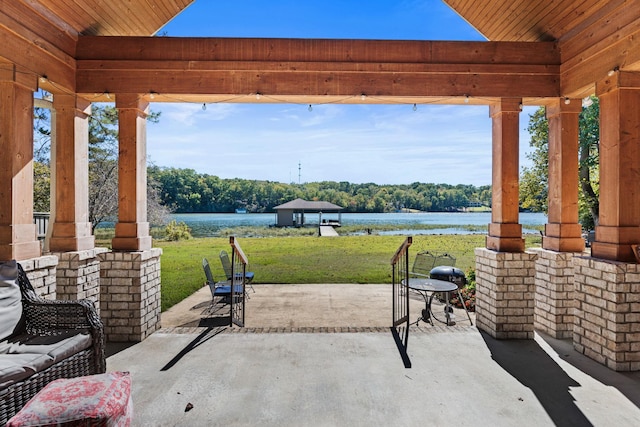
[204, 225]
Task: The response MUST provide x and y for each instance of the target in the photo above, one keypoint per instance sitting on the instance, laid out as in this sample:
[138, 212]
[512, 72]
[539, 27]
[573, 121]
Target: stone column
[619, 224]
[555, 298]
[130, 294]
[18, 234]
[505, 291]
[505, 233]
[132, 229]
[607, 314]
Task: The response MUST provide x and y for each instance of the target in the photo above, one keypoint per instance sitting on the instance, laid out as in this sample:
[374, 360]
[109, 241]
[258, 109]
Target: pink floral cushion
[94, 400]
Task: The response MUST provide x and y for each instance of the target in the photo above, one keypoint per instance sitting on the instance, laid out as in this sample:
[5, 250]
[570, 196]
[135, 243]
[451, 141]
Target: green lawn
[345, 259]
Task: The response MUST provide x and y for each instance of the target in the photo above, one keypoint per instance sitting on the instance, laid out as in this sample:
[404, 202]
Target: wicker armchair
[45, 319]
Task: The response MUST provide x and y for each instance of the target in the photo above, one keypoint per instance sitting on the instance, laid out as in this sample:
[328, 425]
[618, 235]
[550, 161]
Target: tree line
[187, 191]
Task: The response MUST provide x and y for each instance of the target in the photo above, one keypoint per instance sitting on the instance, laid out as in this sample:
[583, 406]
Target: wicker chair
[51, 319]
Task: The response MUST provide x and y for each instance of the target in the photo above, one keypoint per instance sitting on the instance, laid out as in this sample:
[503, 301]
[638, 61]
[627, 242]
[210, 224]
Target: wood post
[505, 233]
[71, 226]
[132, 229]
[18, 238]
[619, 225]
[563, 233]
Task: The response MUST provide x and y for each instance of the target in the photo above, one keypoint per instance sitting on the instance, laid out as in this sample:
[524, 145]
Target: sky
[383, 144]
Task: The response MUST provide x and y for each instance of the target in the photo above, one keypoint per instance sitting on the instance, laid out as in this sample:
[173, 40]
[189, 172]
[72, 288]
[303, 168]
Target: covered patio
[554, 54]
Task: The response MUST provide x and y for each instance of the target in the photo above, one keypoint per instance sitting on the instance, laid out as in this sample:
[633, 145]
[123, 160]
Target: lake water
[206, 225]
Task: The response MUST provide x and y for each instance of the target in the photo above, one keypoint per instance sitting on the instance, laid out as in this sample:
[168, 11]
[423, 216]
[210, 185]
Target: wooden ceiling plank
[514, 12]
[607, 8]
[523, 30]
[619, 23]
[578, 14]
[76, 17]
[483, 14]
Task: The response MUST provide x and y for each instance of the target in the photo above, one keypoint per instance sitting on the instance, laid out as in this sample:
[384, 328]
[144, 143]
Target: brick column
[78, 275]
[130, 294]
[505, 291]
[555, 296]
[607, 314]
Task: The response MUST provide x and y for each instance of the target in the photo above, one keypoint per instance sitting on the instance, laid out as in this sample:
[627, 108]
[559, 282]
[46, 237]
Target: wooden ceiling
[498, 20]
[531, 21]
[110, 18]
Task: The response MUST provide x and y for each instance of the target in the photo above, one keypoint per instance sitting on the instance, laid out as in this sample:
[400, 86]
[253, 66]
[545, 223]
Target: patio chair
[423, 264]
[219, 290]
[226, 266]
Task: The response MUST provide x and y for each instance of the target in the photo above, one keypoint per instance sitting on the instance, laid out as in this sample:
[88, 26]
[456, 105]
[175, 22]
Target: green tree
[534, 180]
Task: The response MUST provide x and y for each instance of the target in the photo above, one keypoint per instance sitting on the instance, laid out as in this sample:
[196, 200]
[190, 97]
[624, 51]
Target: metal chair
[226, 266]
[222, 289]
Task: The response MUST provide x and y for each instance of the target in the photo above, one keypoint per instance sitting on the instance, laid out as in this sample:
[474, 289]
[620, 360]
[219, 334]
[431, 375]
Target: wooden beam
[316, 67]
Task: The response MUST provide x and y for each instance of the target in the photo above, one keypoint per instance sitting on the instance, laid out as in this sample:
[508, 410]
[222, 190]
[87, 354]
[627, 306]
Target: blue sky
[385, 144]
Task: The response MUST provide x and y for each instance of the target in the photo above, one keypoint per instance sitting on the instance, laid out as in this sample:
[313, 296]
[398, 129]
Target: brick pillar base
[130, 294]
[554, 293]
[41, 272]
[505, 293]
[607, 314]
[78, 275]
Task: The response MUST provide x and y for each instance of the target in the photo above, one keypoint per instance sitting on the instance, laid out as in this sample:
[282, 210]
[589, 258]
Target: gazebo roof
[305, 205]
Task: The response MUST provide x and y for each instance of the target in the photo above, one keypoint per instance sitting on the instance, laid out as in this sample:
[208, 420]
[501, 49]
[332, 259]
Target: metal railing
[239, 263]
[400, 296]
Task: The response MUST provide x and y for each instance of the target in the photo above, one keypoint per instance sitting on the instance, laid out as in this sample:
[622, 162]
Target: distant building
[291, 214]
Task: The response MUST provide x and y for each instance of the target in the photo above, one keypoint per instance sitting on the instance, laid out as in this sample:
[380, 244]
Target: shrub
[177, 231]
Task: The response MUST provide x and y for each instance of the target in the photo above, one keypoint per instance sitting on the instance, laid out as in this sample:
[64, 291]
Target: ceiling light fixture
[310, 108]
[258, 95]
[613, 71]
[415, 107]
[466, 99]
[567, 101]
[204, 106]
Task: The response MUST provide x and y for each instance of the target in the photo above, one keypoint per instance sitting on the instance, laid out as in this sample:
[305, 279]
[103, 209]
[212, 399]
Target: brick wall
[41, 272]
[505, 291]
[607, 313]
[130, 294]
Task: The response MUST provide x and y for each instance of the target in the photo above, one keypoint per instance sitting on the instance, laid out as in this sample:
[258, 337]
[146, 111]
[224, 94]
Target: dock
[328, 231]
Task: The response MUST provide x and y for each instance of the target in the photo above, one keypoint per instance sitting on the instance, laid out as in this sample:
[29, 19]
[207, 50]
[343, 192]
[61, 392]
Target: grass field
[305, 259]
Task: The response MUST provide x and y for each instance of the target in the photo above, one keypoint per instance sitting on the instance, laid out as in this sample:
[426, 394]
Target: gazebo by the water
[291, 214]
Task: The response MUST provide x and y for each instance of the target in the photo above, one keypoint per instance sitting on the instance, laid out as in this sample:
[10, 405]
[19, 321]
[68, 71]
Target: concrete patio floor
[323, 355]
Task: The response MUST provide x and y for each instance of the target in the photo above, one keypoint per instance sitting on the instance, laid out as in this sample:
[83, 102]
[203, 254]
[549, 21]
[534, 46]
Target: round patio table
[428, 288]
